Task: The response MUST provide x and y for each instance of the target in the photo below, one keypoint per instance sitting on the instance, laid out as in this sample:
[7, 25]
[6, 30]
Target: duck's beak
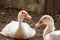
[28, 17]
[38, 24]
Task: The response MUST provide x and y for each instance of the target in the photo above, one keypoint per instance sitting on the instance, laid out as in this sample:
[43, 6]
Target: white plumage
[49, 32]
[19, 29]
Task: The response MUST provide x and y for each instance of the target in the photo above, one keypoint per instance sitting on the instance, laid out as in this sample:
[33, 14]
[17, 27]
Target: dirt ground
[9, 14]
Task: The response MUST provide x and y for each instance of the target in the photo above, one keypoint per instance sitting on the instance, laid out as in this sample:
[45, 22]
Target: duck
[19, 29]
[49, 33]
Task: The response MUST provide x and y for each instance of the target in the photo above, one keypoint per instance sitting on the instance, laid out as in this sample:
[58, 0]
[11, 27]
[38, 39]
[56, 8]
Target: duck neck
[20, 20]
[20, 27]
[48, 30]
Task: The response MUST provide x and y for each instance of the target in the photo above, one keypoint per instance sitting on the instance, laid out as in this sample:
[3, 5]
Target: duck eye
[44, 17]
[22, 12]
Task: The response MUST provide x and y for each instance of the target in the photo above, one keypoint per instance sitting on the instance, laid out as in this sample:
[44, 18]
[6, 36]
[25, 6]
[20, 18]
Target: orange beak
[39, 23]
[28, 16]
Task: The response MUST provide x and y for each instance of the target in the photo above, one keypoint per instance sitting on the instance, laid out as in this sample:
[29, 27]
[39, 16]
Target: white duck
[49, 32]
[19, 29]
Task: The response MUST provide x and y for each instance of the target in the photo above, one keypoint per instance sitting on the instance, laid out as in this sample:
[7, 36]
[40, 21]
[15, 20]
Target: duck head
[24, 14]
[46, 20]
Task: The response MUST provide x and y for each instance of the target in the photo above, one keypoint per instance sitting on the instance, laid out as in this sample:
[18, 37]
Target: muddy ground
[9, 14]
